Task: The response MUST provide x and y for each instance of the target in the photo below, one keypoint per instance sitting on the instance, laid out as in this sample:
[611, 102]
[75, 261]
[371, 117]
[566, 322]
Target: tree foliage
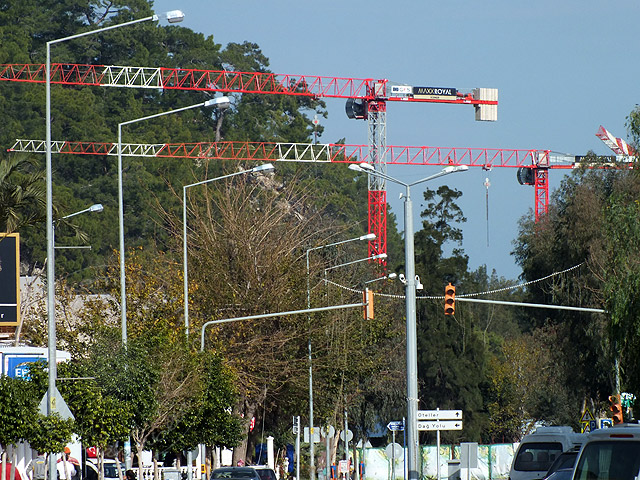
[590, 233]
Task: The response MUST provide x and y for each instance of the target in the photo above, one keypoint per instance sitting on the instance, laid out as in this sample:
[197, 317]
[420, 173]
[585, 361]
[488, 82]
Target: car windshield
[609, 460]
[537, 456]
[234, 474]
[266, 474]
[110, 470]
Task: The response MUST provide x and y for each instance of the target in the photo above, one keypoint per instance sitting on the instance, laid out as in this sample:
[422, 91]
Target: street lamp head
[392, 275]
[368, 236]
[174, 16]
[455, 168]
[379, 256]
[220, 102]
[361, 167]
[97, 207]
[265, 167]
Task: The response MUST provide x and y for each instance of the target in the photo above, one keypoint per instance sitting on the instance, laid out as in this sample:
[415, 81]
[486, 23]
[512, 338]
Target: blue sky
[562, 68]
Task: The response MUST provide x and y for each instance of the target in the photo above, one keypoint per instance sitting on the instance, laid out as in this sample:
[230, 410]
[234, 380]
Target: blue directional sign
[396, 426]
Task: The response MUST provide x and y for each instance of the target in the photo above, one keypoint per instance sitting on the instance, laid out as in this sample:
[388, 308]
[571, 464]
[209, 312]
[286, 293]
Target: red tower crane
[528, 162]
[366, 99]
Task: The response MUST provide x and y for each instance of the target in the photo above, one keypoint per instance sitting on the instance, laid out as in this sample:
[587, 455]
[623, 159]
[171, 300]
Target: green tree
[589, 232]
[17, 410]
[22, 193]
[100, 419]
[451, 354]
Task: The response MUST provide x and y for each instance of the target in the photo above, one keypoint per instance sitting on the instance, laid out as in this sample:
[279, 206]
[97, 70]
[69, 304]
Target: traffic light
[616, 409]
[449, 299]
[367, 298]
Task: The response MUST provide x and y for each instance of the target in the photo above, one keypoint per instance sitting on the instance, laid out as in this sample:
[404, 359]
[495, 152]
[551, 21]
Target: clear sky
[562, 68]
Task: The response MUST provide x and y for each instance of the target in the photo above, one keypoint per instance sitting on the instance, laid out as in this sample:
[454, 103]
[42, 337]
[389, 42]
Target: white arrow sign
[440, 425]
[439, 414]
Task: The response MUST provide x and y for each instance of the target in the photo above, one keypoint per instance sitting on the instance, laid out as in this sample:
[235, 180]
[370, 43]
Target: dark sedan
[234, 473]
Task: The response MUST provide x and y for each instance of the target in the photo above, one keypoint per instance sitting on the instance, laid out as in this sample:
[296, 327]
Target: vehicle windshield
[537, 456]
[110, 471]
[234, 474]
[609, 460]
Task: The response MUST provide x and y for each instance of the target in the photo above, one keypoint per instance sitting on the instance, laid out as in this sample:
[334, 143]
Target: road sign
[349, 436]
[397, 426]
[606, 423]
[328, 431]
[587, 416]
[440, 425]
[393, 450]
[439, 414]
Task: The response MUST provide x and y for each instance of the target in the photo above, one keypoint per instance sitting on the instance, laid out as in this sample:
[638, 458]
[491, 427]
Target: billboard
[9, 279]
[15, 361]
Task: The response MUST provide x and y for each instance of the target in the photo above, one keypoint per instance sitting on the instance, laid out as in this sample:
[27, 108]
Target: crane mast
[377, 123]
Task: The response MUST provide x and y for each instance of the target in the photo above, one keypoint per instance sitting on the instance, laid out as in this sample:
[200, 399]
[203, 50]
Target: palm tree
[22, 193]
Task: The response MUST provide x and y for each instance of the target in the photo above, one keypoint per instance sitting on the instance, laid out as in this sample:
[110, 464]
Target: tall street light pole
[312, 461]
[266, 167]
[410, 296]
[220, 102]
[172, 17]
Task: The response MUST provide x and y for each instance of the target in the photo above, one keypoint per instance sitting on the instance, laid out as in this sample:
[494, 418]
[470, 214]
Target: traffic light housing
[616, 409]
[449, 299]
[367, 299]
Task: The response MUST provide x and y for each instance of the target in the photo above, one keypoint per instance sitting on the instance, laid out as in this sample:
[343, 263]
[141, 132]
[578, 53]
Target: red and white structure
[618, 145]
[367, 99]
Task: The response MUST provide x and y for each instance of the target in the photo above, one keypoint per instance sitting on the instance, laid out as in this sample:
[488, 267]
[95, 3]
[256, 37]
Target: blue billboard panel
[17, 366]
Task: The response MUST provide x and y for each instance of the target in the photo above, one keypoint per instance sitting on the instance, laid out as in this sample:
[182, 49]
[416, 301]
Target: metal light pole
[410, 296]
[312, 461]
[220, 102]
[267, 167]
[172, 17]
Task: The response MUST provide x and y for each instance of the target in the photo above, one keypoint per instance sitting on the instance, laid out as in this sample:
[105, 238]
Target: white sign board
[439, 414]
[440, 425]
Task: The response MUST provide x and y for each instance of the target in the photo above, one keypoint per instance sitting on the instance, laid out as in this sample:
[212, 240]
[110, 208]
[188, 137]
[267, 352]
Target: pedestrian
[66, 469]
[130, 475]
[37, 467]
[74, 461]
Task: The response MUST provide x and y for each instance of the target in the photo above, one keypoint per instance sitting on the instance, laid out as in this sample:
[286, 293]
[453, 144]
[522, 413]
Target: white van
[539, 449]
[610, 453]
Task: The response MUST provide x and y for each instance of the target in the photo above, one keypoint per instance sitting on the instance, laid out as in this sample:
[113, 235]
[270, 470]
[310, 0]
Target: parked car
[235, 473]
[110, 469]
[610, 453]
[561, 474]
[566, 460]
[264, 472]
